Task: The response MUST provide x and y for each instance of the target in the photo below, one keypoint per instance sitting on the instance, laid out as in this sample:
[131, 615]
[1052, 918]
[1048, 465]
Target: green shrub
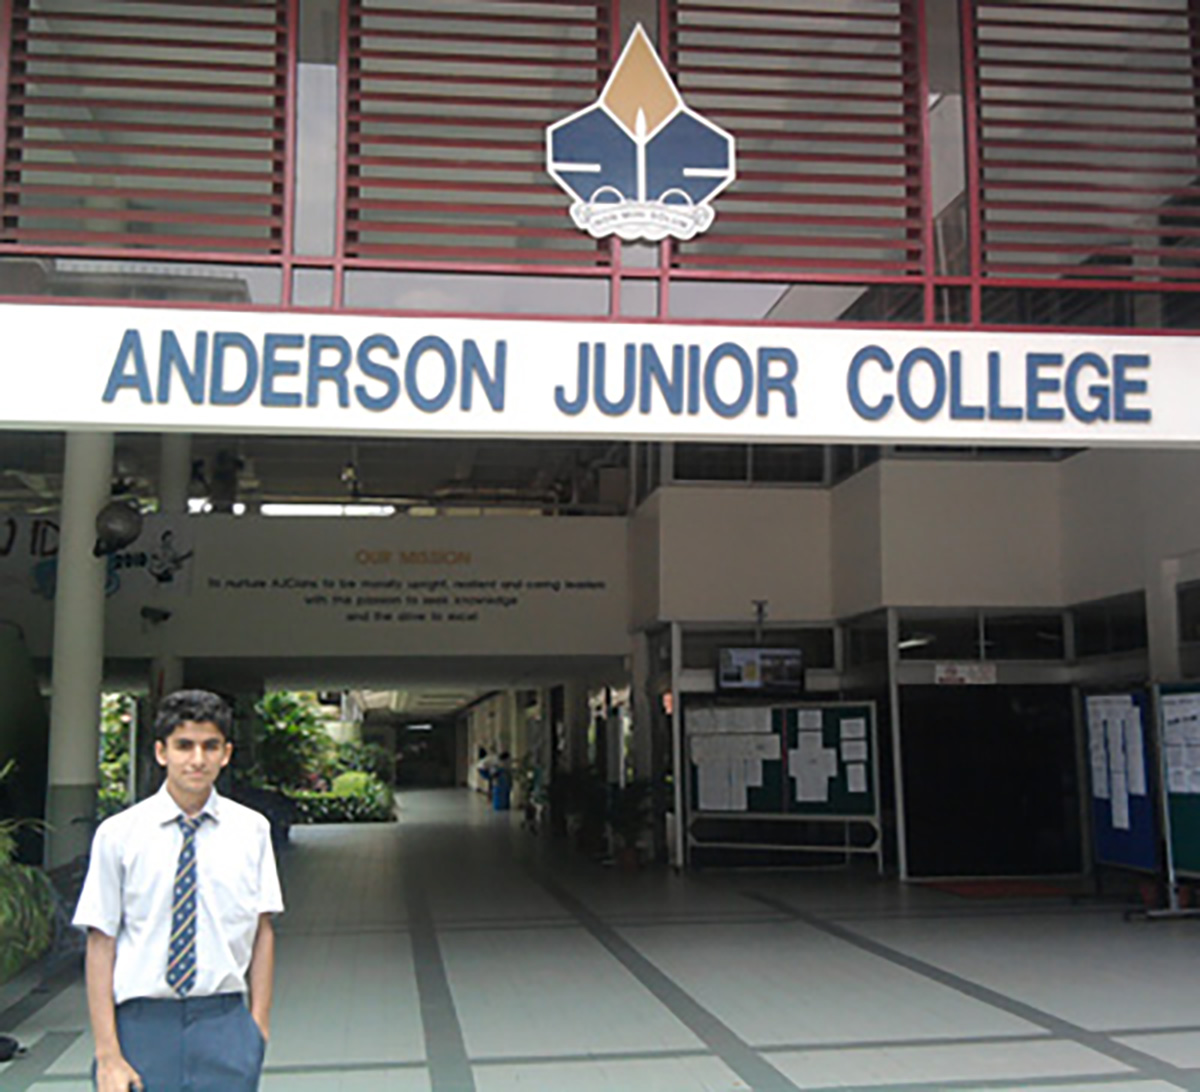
[26, 900]
[352, 783]
[370, 757]
[26, 917]
[291, 744]
[110, 801]
[357, 797]
[326, 807]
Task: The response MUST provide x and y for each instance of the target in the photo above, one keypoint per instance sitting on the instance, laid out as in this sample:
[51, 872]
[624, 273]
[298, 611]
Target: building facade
[918, 400]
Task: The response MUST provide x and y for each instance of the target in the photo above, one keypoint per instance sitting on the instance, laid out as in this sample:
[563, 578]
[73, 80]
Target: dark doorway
[990, 780]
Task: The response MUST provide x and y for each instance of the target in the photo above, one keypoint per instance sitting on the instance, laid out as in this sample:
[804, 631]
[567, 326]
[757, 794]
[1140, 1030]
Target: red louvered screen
[1086, 133]
[147, 124]
[824, 102]
[448, 102]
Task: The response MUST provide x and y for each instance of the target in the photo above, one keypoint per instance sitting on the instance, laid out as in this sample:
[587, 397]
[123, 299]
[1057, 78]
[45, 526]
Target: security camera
[155, 615]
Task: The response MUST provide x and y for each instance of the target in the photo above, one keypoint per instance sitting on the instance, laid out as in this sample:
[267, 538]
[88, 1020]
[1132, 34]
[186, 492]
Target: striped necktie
[181, 960]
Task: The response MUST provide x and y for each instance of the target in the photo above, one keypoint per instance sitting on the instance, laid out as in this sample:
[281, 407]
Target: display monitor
[761, 670]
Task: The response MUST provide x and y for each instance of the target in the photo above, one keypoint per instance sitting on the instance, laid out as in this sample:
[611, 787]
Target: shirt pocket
[232, 880]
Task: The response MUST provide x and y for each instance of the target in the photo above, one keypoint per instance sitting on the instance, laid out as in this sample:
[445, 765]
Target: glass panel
[316, 161]
[639, 299]
[788, 463]
[731, 301]
[952, 305]
[1024, 637]
[76, 278]
[647, 469]
[1188, 597]
[841, 462]
[312, 288]
[866, 641]
[944, 638]
[476, 294]
[1112, 625]
[711, 462]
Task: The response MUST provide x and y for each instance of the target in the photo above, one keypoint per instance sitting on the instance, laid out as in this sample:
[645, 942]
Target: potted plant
[26, 900]
[629, 819]
[585, 805]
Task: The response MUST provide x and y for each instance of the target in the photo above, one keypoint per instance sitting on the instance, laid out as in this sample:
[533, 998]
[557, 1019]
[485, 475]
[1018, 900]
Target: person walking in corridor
[177, 905]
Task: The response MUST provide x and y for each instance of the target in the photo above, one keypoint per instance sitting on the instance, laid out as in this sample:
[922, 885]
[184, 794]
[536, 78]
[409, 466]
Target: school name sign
[243, 371]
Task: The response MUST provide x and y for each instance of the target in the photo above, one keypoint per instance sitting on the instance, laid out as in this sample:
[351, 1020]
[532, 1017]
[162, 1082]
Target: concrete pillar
[1162, 620]
[174, 473]
[77, 669]
[640, 699]
[174, 479]
[576, 719]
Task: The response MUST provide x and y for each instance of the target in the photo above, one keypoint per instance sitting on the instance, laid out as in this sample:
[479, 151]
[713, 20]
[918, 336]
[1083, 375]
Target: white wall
[723, 547]
[1104, 521]
[318, 587]
[857, 535]
[1132, 522]
[970, 533]
[901, 533]
[645, 561]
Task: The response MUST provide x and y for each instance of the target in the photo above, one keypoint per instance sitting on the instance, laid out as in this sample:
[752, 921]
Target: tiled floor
[454, 953]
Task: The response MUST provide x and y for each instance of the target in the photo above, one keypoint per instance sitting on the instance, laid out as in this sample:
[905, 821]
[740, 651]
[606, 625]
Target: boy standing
[177, 904]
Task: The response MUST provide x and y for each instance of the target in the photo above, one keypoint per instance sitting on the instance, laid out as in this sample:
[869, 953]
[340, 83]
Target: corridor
[452, 952]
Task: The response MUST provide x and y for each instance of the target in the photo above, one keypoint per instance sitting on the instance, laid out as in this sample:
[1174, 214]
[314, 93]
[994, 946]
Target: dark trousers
[197, 1044]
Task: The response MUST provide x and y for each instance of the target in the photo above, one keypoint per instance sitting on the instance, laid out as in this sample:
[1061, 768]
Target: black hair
[197, 706]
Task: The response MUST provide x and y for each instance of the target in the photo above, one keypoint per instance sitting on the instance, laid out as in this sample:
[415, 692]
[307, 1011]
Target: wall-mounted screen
[765, 670]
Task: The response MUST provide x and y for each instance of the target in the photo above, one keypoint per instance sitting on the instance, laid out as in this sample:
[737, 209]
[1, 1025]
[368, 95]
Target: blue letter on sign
[218, 395]
[170, 355]
[449, 371]
[273, 366]
[865, 411]
[372, 369]
[731, 351]
[785, 384]
[130, 350]
[1123, 387]
[335, 373]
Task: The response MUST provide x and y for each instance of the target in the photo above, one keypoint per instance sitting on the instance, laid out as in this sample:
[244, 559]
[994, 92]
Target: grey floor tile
[668, 1075]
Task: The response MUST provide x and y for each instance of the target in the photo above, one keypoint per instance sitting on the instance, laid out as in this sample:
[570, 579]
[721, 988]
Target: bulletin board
[1179, 725]
[1125, 814]
[845, 736]
[792, 760]
[787, 763]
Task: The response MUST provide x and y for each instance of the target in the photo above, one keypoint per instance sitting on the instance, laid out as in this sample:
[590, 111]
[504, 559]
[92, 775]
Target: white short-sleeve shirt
[129, 889]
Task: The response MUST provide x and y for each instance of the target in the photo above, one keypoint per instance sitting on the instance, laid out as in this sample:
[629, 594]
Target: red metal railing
[823, 101]
[1085, 126]
[446, 115]
[162, 128]
[167, 130]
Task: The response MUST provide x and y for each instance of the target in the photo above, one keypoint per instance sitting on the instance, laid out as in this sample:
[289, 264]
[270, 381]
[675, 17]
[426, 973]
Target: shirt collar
[167, 811]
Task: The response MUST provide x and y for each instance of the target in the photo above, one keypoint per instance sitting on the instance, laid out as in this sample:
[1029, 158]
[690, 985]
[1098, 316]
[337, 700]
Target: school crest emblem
[639, 163]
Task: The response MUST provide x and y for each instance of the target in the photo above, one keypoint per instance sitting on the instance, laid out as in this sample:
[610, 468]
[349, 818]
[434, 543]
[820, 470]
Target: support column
[174, 473]
[893, 644]
[576, 718]
[77, 669]
[1162, 620]
[174, 479]
[643, 713]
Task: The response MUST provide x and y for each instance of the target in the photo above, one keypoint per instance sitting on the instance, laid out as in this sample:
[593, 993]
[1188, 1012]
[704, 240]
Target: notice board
[794, 759]
[1124, 803]
[1179, 714]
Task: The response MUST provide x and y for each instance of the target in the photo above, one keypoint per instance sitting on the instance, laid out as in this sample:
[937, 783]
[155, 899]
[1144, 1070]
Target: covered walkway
[451, 952]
